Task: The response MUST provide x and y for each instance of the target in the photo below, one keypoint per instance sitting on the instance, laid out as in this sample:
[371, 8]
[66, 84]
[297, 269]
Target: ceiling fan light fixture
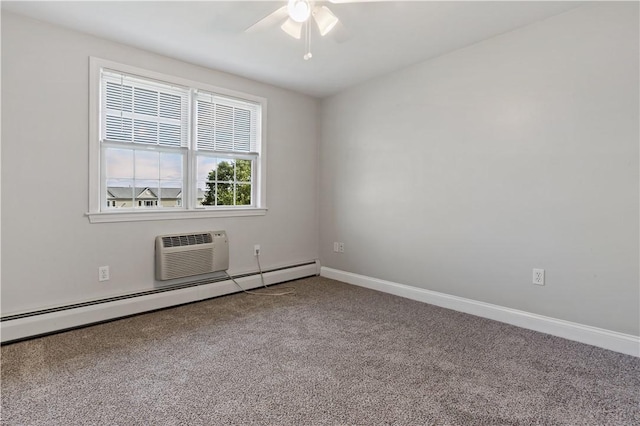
[294, 29]
[325, 19]
[299, 10]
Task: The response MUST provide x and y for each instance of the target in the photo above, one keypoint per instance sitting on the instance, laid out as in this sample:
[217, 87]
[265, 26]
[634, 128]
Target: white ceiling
[382, 36]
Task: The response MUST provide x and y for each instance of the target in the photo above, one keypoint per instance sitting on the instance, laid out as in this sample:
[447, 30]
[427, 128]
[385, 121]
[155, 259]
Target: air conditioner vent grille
[185, 255]
[186, 240]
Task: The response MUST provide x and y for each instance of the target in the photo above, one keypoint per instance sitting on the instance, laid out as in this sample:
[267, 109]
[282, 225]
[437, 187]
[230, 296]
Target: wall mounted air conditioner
[185, 255]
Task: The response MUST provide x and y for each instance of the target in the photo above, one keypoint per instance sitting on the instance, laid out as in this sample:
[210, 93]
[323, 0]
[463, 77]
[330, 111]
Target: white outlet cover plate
[103, 273]
[538, 276]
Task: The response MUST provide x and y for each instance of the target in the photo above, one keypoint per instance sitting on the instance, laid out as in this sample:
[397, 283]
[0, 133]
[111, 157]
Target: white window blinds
[143, 111]
[225, 124]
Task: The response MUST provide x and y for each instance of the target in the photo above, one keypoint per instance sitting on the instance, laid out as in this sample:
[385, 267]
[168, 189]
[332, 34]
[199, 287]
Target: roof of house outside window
[115, 192]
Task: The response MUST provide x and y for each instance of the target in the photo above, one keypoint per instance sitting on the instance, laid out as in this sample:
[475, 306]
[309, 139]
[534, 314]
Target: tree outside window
[229, 184]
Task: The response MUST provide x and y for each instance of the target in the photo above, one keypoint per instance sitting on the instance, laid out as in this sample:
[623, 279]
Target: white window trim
[95, 214]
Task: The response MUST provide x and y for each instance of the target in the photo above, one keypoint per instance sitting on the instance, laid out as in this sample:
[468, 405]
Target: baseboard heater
[27, 325]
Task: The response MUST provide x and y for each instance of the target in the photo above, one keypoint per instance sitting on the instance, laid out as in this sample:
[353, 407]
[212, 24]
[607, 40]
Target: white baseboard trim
[20, 328]
[618, 342]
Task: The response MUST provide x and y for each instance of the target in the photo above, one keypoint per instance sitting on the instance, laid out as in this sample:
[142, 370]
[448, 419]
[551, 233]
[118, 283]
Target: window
[165, 147]
[226, 150]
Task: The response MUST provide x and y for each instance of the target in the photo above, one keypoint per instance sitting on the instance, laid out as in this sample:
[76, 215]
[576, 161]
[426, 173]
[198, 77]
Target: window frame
[189, 210]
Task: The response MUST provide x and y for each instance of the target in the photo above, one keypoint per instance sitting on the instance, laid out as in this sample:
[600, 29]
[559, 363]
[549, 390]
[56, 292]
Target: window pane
[200, 195]
[243, 170]
[206, 168]
[243, 194]
[170, 166]
[170, 134]
[120, 192]
[170, 106]
[170, 193]
[225, 124]
[242, 129]
[206, 175]
[206, 194]
[119, 163]
[146, 193]
[224, 181]
[224, 195]
[147, 165]
[118, 96]
[205, 125]
[224, 127]
[145, 101]
[226, 170]
[118, 128]
[145, 131]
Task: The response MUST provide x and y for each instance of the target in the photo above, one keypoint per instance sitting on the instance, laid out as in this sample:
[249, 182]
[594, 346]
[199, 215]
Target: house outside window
[121, 197]
[178, 148]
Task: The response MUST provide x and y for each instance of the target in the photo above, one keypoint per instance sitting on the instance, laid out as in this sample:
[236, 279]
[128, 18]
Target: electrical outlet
[103, 273]
[340, 247]
[256, 249]
[538, 276]
[336, 247]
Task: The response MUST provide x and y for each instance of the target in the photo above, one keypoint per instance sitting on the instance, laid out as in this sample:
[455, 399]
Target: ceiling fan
[296, 16]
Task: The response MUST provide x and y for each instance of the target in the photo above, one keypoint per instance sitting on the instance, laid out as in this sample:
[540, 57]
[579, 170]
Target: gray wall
[463, 173]
[458, 175]
[50, 251]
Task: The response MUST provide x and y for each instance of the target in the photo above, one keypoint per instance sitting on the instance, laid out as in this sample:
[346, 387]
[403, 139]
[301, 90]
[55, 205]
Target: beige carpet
[331, 354]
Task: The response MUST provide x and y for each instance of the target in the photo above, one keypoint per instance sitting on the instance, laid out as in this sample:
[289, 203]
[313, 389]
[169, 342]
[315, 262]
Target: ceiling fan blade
[293, 28]
[325, 19]
[269, 20]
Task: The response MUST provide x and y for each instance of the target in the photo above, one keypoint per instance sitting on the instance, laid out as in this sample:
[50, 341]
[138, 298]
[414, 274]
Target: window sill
[137, 216]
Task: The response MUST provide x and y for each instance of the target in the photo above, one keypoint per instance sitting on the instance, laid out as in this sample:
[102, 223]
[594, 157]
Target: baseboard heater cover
[47, 321]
